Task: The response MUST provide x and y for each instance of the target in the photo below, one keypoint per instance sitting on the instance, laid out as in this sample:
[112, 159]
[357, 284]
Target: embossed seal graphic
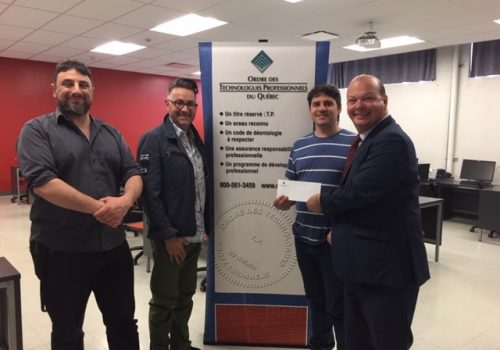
[253, 245]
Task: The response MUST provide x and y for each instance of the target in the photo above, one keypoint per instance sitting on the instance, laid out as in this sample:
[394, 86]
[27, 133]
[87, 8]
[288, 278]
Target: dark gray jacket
[169, 192]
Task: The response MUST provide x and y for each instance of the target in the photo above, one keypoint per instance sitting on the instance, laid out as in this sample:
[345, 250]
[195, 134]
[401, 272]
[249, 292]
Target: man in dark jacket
[176, 197]
[377, 245]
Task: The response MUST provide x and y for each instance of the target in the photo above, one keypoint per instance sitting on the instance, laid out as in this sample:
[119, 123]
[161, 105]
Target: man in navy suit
[377, 245]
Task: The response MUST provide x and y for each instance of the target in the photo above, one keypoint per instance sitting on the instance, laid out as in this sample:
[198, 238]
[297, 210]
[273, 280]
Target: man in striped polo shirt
[319, 157]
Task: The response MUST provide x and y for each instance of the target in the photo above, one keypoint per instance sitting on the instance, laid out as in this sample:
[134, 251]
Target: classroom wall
[132, 102]
[478, 127]
[423, 110]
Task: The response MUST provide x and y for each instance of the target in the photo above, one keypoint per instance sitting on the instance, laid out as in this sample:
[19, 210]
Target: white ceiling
[52, 30]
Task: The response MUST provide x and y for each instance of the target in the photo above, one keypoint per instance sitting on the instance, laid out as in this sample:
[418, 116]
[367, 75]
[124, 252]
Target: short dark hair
[325, 89]
[184, 83]
[67, 65]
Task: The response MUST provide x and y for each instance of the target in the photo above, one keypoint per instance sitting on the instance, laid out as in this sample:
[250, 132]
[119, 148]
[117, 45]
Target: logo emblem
[262, 61]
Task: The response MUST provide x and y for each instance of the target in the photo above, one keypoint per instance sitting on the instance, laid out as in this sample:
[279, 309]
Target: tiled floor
[459, 308]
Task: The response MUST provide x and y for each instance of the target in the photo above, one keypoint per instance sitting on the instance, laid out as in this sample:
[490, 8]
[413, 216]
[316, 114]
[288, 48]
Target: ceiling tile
[13, 32]
[469, 38]
[176, 57]
[121, 60]
[145, 64]
[5, 44]
[157, 71]
[194, 61]
[187, 5]
[16, 54]
[287, 14]
[233, 10]
[45, 37]
[108, 9]
[149, 52]
[329, 5]
[47, 58]
[25, 17]
[48, 5]
[71, 25]
[179, 44]
[150, 38]
[112, 31]
[101, 64]
[194, 54]
[65, 52]
[464, 32]
[80, 42]
[148, 16]
[469, 5]
[240, 33]
[91, 57]
[32, 48]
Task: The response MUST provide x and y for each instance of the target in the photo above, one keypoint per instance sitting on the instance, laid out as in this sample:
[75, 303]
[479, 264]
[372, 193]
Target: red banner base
[261, 325]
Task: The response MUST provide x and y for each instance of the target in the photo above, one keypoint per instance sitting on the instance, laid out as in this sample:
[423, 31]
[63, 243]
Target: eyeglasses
[179, 104]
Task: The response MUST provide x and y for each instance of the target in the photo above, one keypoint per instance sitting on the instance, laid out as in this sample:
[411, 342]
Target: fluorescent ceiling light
[196, 73]
[497, 21]
[320, 35]
[293, 1]
[188, 24]
[388, 43]
[117, 48]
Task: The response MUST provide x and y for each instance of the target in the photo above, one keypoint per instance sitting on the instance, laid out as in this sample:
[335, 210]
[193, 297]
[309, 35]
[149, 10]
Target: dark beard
[73, 111]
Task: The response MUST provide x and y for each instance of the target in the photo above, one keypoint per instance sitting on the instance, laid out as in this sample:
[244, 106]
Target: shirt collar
[60, 118]
[178, 131]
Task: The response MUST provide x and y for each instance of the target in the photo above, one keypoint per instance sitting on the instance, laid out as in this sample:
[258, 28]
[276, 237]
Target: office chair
[137, 228]
[133, 222]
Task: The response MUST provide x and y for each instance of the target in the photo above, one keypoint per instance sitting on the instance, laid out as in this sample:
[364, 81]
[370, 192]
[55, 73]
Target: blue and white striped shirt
[315, 159]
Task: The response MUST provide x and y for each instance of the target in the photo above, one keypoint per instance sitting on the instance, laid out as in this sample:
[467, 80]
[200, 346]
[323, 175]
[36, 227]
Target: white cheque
[299, 191]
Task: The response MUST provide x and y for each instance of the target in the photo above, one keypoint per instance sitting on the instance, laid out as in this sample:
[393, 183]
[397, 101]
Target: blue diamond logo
[262, 61]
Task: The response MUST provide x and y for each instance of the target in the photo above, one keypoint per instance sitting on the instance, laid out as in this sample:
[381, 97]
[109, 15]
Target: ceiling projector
[369, 41]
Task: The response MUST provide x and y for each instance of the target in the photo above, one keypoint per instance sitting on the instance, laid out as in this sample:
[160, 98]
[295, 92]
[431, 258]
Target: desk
[459, 200]
[431, 212]
[478, 205]
[10, 307]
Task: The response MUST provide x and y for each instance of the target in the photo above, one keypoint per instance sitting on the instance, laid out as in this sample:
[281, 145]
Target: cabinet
[10, 307]
[489, 210]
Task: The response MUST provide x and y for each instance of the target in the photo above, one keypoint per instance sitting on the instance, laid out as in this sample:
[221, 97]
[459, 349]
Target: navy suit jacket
[377, 235]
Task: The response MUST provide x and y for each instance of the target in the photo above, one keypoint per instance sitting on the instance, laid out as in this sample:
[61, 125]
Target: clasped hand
[113, 211]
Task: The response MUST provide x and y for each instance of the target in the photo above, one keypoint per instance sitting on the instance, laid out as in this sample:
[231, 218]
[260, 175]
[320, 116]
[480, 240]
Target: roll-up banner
[255, 107]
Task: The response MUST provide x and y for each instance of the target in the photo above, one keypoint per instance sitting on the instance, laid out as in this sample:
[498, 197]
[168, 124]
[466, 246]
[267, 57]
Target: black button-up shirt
[53, 147]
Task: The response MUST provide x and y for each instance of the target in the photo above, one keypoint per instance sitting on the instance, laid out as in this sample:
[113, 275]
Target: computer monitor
[478, 170]
[423, 172]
